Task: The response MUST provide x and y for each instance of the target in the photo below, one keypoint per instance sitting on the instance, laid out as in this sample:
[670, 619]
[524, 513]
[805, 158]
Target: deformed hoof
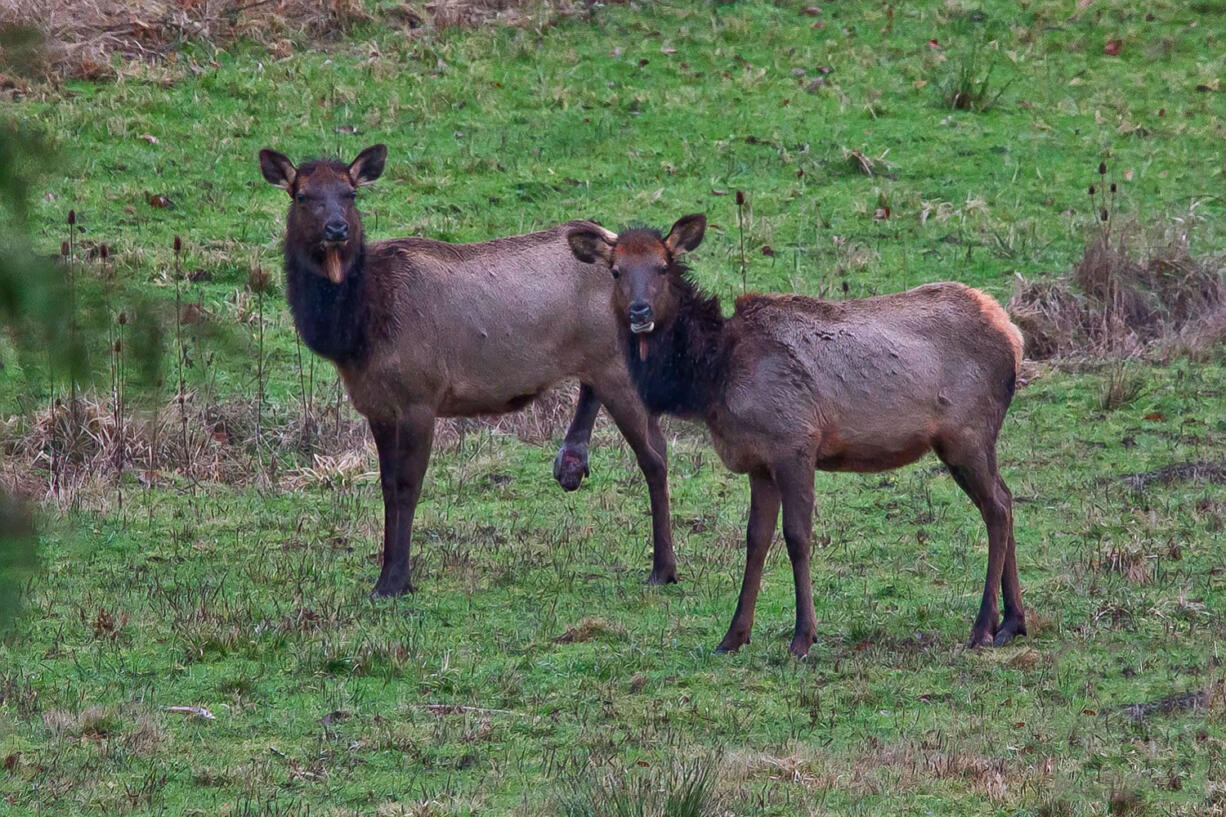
[569, 468]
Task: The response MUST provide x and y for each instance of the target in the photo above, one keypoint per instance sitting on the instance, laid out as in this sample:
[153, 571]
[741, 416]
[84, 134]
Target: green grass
[249, 599]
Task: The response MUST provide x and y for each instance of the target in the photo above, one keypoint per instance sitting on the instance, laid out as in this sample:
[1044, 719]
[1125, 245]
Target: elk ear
[368, 166]
[686, 234]
[278, 170]
[591, 246]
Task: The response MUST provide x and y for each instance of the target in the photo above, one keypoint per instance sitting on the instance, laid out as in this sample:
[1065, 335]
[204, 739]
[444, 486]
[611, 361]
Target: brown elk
[420, 329]
[789, 384]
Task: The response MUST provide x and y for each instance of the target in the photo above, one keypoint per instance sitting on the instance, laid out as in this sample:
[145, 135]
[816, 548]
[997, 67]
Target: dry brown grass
[590, 629]
[881, 767]
[82, 37]
[72, 455]
[1131, 561]
[1124, 302]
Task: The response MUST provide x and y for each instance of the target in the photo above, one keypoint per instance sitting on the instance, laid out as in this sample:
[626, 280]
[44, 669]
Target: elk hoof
[731, 643]
[668, 576]
[1009, 629]
[570, 467]
[800, 645]
[980, 639]
[390, 590]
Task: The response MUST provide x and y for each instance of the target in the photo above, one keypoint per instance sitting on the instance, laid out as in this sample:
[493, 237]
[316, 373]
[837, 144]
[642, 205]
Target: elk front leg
[570, 466]
[763, 514]
[404, 451]
[640, 430]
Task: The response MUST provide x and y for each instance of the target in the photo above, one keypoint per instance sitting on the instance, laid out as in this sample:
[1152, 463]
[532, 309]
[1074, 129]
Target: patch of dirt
[1213, 472]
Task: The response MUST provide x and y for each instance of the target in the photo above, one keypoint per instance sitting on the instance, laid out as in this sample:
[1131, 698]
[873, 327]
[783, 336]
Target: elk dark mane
[685, 361]
[333, 319]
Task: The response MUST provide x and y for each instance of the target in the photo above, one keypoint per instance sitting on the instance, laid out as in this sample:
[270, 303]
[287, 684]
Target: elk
[790, 384]
[420, 329]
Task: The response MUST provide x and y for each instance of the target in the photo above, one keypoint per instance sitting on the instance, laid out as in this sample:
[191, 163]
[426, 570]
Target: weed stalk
[181, 394]
[740, 220]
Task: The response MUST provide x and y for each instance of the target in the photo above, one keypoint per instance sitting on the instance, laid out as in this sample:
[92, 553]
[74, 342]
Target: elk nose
[640, 313]
[337, 230]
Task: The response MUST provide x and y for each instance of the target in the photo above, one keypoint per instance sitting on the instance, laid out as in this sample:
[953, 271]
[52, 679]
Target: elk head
[324, 228]
[643, 265]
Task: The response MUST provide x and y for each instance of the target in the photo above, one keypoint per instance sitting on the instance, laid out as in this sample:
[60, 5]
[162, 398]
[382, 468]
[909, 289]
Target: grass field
[534, 672]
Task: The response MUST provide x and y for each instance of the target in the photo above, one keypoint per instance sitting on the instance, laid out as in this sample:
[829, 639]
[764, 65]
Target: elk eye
[351, 195]
[301, 197]
[663, 270]
[616, 272]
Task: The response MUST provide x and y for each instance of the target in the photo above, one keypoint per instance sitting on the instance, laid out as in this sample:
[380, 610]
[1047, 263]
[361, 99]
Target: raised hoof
[663, 576]
[570, 467]
[1008, 630]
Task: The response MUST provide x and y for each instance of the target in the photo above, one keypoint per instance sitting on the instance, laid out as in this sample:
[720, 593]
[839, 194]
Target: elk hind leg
[973, 467]
[1013, 621]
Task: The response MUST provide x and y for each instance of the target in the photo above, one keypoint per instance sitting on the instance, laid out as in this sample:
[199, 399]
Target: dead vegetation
[79, 452]
[1131, 560]
[1201, 471]
[82, 38]
[588, 630]
[1194, 700]
[884, 766]
[1125, 300]
[134, 728]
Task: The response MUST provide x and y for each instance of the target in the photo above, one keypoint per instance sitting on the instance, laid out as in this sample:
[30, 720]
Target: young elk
[420, 329]
[789, 384]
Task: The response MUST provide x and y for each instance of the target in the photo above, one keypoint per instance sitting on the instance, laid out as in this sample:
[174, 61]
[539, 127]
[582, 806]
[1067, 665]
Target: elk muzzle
[336, 230]
[640, 318]
[336, 235]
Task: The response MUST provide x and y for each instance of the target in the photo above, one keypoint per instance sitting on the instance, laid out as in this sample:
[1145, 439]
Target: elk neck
[683, 371]
[333, 319]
